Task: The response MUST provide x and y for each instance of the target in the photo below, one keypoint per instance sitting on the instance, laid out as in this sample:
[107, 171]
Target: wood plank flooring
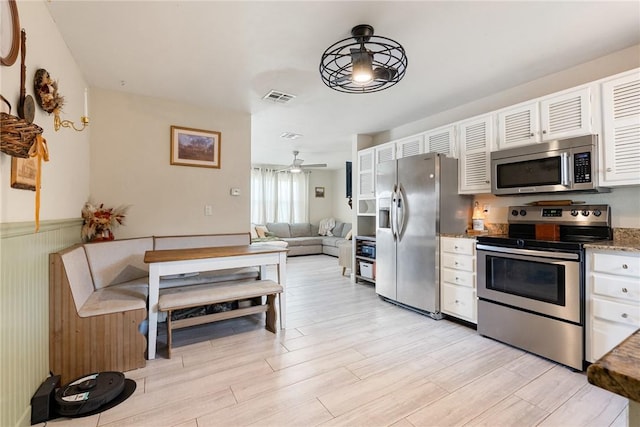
[348, 358]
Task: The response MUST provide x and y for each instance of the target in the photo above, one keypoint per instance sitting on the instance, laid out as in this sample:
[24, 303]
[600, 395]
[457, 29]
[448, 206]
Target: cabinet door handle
[625, 266]
[455, 247]
[608, 169]
[624, 290]
[544, 132]
[486, 182]
[625, 315]
[531, 134]
[457, 279]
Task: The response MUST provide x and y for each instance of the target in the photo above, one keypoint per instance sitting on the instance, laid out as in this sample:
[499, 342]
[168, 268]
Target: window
[279, 196]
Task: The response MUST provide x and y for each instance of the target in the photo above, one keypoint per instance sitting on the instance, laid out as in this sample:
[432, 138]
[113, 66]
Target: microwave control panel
[582, 167]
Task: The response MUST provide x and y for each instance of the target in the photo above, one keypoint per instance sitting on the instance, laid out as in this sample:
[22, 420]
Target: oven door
[542, 282]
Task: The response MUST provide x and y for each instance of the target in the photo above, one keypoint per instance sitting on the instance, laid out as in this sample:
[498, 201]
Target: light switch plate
[235, 192]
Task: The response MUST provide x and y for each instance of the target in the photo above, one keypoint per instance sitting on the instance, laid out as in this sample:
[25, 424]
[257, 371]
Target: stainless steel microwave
[550, 167]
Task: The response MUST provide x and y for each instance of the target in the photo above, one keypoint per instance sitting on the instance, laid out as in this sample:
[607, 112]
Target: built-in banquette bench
[98, 296]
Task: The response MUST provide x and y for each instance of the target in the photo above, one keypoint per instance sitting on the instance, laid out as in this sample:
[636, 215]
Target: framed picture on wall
[23, 173]
[195, 147]
[320, 192]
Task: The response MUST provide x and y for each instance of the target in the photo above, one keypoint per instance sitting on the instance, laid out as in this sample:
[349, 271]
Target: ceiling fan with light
[296, 166]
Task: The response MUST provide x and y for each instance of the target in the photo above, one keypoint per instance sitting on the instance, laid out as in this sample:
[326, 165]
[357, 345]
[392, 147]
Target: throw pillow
[254, 233]
[349, 234]
[262, 231]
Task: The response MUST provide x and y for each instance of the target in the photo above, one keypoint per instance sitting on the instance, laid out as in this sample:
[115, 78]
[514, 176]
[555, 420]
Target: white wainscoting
[24, 310]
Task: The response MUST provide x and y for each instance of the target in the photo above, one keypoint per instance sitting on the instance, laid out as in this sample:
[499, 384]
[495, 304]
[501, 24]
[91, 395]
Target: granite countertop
[619, 370]
[624, 239]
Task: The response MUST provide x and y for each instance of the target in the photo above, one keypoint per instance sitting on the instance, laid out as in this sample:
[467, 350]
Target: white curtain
[279, 196]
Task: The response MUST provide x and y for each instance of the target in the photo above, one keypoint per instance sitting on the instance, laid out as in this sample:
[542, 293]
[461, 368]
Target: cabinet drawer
[458, 246]
[628, 314]
[458, 277]
[459, 302]
[459, 262]
[625, 288]
[606, 335]
[623, 265]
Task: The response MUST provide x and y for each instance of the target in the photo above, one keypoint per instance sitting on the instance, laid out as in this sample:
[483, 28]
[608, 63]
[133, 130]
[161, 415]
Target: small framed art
[195, 147]
[320, 192]
[23, 173]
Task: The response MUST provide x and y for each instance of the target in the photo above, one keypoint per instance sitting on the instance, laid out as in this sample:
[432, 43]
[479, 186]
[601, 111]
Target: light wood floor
[349, 358]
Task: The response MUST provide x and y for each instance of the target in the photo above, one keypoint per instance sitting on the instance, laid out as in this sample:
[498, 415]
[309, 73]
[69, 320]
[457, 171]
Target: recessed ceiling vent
[290, 135]
[279, 97]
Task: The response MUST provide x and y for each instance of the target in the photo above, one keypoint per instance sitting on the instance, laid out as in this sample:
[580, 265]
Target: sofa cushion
[332, 241]
[77, 270]
[118, 261]
[337, 229]
[300, 229]
[304, 241]
[116, 299]
[346, 228]
[280, 228]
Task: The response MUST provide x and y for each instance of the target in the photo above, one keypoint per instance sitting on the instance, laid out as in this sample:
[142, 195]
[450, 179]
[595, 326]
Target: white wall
[65, 178]
[321, 207]
[130, 166]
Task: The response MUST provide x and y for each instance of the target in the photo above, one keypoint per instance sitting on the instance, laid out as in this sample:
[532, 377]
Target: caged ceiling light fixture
[363, 63]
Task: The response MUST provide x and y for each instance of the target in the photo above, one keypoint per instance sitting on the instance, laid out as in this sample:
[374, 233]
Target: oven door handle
[530, 252]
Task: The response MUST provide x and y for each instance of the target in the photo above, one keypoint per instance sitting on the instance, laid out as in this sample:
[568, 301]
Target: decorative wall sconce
[58, 123]
[84, 119]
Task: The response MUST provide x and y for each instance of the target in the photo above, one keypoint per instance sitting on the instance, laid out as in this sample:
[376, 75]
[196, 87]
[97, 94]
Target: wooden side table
[345, 253]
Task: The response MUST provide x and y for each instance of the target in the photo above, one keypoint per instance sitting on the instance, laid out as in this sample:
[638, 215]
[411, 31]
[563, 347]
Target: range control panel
[575, 214]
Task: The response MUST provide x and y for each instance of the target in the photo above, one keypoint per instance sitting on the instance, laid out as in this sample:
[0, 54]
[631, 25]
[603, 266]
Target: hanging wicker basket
[16, 135]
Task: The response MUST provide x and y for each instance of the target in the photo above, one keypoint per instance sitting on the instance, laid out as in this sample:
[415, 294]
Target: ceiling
[230, 54]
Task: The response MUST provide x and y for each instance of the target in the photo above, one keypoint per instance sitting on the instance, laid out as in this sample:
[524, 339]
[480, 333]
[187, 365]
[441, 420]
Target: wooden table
[179, 261]
[619, 372]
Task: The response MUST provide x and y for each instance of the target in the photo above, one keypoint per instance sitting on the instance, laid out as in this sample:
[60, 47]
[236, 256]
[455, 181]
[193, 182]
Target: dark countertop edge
[618, 371]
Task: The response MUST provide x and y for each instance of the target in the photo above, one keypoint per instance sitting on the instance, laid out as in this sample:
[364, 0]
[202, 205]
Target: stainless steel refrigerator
[417, 200]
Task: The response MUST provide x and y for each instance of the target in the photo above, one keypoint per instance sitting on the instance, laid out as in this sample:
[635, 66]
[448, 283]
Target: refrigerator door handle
[392, 212]
[401, 213]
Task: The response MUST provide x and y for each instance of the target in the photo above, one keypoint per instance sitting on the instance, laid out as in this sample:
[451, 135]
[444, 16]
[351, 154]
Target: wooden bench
[217, 293]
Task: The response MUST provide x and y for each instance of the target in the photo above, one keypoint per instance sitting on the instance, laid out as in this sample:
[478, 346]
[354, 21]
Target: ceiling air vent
[277, 96]
[290, 135]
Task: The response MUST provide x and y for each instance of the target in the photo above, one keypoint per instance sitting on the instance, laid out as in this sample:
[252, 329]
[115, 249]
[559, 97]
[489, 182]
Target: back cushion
[281, 229]
[201, 241]
[118, 261]
[300, 230]
[337, 229]
[77, 268]
[346, 228]
[314, 229]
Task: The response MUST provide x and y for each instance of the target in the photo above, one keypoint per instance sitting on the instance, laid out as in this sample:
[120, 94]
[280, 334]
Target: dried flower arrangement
[46, 91]
[99, 220]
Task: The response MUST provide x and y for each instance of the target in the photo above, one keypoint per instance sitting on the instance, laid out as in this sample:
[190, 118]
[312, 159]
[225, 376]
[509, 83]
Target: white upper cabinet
[620, 145]
[410, 146]
[366, 174]
[518, 125]
[441, 140]
[566, 115]
[557, 116]
[476, 142]
[385, 152]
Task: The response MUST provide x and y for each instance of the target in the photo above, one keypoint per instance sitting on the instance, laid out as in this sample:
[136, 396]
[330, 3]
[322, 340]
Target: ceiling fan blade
[316, 165]
[384, 73]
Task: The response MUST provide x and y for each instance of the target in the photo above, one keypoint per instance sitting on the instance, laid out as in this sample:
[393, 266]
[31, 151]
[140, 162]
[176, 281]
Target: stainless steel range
[531, 283]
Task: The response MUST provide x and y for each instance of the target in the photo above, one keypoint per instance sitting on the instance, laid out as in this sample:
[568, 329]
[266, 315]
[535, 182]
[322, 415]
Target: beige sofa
[303, 238]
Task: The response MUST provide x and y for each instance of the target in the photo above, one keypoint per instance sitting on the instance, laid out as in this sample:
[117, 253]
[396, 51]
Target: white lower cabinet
[458, 278]
[613, 299]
